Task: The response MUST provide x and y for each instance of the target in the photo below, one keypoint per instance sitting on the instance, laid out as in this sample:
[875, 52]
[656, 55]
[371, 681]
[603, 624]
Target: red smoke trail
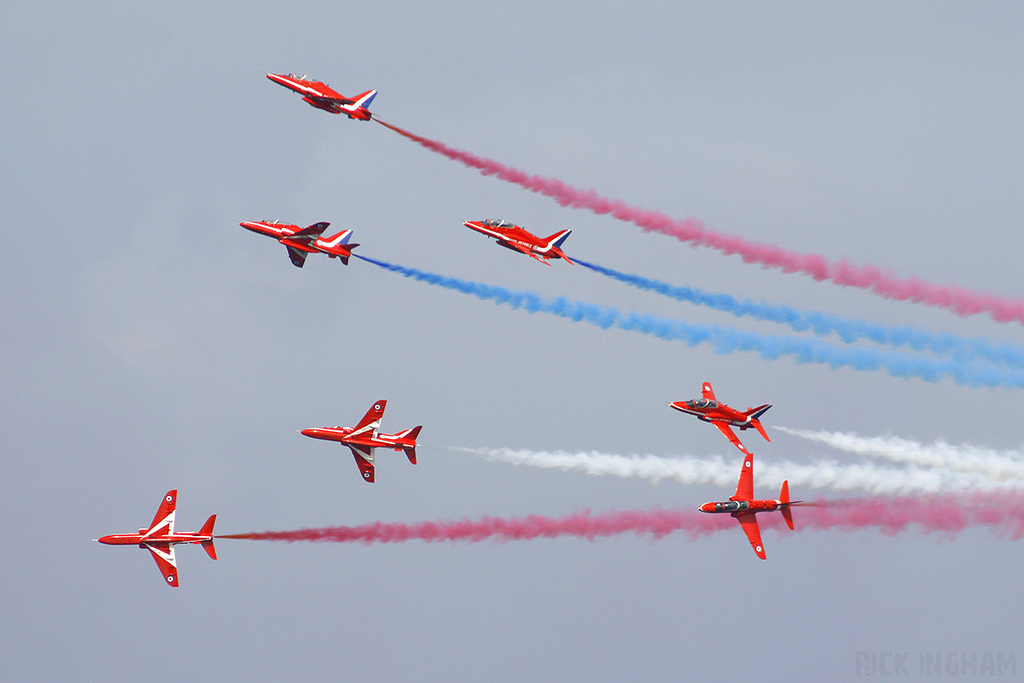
[931, 514]
[584, 524]
[961, 301]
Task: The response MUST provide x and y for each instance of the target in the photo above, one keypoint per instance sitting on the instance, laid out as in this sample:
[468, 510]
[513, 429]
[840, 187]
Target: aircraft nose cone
[104, 539]
[317, 433]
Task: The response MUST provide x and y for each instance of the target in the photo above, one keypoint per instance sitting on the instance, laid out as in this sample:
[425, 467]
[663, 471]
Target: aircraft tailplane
[207, 530]
[787, 512]
[410, 451]
[754, 414]
[561, 255]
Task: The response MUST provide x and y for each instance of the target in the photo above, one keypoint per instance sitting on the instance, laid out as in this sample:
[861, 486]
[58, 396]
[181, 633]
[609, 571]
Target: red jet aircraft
[744, 509]
[722, 416]
[513, 237]
[363, 438]
[321, 96]
[160, 538]
[304, 241]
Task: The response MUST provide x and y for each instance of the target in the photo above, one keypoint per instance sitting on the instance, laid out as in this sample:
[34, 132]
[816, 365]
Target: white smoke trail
[828, 475]
[996, 465]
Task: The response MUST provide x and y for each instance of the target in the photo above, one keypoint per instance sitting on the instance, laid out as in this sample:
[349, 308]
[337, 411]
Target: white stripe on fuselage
[313, 91]
[511, 240]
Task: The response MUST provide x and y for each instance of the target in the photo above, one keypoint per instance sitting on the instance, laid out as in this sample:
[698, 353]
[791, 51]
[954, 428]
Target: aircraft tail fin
[207, 530]
[787, 512]
[338, 246]
[365, 99]
[754, 414]
[410, 436]
[357, 109]
[553, 244]
[341, 238]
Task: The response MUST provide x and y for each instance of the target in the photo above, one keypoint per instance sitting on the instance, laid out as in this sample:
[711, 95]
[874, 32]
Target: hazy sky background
[151, 343]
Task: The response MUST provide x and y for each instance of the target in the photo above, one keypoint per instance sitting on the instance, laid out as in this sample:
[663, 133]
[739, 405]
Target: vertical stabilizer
[553, 245]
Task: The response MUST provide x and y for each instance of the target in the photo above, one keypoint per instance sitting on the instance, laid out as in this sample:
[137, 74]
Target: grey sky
[150, 343]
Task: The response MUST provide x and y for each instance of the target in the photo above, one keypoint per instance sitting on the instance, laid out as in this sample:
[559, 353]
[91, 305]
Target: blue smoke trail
[960, 349]
[724, 340]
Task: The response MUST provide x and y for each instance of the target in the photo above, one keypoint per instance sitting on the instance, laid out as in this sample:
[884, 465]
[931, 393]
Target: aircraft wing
[164, 518]
[163, 553]
[749, 523]
[707, 392]
[297, 256]
[729, 434]
[745, 486]
[312, 232]
[371, 421]
[364, 459]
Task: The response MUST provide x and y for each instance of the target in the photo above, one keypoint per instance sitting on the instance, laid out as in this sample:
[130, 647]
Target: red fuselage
[512, 235]
[141, 538]
[735, 507]
[341, 434]
[713, 411]
[281, 232]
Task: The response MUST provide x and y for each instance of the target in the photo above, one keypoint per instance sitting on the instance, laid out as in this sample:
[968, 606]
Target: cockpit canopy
[732, 506]
[499, 223]
[703, 404]
[303, 77]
